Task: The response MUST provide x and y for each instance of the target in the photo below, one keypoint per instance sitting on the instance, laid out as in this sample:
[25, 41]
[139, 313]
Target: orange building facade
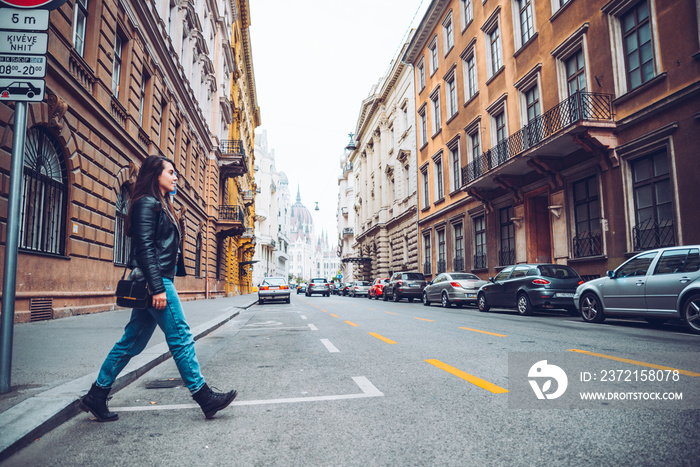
[553, 131]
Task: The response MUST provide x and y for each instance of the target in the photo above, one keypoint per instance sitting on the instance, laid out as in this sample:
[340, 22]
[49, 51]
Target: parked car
[527, 287]
[338, 289]
[346, 288]
[375, 290]
[359, 288]
[655, 285]
[318, 285]
[407, 285]
[453, 288]
[273, 288]
[301, 288]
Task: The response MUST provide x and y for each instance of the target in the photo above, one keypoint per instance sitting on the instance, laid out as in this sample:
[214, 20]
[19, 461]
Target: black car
[527, 287]
[407, 285]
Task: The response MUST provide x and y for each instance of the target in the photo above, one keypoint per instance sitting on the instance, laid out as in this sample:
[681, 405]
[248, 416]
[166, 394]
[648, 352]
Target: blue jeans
[138, 332]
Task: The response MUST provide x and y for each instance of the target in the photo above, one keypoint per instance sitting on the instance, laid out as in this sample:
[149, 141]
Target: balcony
[554, 133]
[348, 231]
[248, 197]
[233, 162]
[441, 266]
[232, 221]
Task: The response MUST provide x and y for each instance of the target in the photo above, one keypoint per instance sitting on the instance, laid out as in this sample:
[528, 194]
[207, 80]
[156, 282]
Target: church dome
[300, 217]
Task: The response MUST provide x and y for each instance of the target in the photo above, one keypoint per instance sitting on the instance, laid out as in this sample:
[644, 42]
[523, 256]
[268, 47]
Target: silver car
[359, 288]
[453, 288]
[318, 285]
[655, 285]
[273, 288]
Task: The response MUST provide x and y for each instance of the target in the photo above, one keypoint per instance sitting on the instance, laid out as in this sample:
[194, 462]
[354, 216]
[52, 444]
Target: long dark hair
[147, 185]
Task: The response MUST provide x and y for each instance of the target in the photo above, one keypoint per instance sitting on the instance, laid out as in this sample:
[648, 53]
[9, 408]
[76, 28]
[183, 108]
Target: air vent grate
[40, 309]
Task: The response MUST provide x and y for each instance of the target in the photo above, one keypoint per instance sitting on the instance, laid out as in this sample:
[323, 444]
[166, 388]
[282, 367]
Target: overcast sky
[315, 61]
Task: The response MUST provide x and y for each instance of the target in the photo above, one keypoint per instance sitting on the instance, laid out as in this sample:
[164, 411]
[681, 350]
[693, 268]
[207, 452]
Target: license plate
[471, 295]
[565, 295]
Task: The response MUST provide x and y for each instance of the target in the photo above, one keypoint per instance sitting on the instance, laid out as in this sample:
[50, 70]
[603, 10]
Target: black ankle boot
[95, 401]
[211, 402]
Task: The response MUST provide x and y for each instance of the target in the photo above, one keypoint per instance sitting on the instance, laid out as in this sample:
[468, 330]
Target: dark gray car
[408, 285]
[452, 288]
[655, 285]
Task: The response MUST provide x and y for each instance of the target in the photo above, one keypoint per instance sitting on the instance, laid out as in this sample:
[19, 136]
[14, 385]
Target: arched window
[122, 242]
[198, 256]
[45, 193]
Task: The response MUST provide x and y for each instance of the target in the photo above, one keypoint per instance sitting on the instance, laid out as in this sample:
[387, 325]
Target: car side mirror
[611, 274]
[491, 279]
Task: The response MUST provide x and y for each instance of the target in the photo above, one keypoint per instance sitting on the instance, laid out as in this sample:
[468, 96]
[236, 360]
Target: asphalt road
[349, 381]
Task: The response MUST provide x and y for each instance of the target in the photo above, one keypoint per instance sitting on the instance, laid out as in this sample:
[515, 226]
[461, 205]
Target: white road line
[275, 329]
[331, 348]
[313, 328]
[303, 317]
[367, 388]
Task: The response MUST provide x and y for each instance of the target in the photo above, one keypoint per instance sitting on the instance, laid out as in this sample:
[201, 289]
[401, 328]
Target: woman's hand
[160, 301]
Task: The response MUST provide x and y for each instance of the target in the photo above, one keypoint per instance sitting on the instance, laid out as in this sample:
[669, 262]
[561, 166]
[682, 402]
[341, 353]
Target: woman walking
[155, 238]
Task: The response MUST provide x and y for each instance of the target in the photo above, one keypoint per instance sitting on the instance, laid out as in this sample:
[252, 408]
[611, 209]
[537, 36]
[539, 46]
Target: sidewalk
[55, 362]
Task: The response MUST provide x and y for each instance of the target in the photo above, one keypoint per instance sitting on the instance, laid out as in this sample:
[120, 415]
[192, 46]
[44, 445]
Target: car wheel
[691, 313]
[523, 305]
[592, 309]
[481, 303]
[410, 299]
[385, 296]
[289, 299]
[445, 301]
[396, 297]
[260, 301]
[426, 302]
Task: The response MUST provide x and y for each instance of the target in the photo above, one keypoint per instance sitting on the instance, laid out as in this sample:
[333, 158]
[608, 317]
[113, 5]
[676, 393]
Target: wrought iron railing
[579, 106]
[506, 257]
[587, 244]
[458, 263]
[233, 213]
[650, 234]
[480, 261]
[348, 230]
[232, 146]
[441, 266]
[427, 268]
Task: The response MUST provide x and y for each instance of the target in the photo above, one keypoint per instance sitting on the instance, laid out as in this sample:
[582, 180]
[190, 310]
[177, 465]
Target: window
[198, 256]
[448, 33]
[532, 101]
[44, 194]
[122, 242]
[426, 188]
[637, 266]
[636, 38]
[459, 247]
[575, 73]
[439, 188]
[494, 51]
[437, 121]
[142, 101]
[524, 22]
[423, 126]
[456, 167]
[678, 261]
[471, 76]
[499, 131]
[469, 71]
[451, 97]
[421, 75]
[506, 255]
[433, 53]
[117, 65]
[427, 260]
[653, 202]
[633, 44]
[467, 13]
[479, 224]
[588, 240]
[441, 263]
[474, 145]
[500, 121]
[79, 26]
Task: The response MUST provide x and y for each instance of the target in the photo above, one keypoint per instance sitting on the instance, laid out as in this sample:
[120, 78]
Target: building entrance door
[539, 241]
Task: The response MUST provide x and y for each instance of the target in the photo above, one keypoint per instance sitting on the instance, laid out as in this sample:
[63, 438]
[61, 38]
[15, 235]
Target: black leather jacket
[155, 244]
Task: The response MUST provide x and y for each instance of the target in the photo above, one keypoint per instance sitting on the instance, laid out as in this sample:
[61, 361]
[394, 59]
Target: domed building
[301, 222]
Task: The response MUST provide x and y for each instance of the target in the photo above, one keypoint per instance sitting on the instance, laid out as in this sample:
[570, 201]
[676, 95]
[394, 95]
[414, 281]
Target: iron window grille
[44, 195]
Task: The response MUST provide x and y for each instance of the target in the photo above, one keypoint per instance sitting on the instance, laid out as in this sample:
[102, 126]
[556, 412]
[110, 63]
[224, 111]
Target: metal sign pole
[9, 281]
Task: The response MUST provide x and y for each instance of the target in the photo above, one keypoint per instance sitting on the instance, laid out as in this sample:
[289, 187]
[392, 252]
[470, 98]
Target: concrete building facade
[575, 126]
[126, 80]
[384, 180]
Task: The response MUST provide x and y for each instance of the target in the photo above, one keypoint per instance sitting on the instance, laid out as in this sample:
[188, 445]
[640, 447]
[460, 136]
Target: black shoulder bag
[132, 292]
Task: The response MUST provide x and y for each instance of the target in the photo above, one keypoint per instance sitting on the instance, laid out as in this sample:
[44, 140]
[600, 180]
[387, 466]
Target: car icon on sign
[19, 87]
